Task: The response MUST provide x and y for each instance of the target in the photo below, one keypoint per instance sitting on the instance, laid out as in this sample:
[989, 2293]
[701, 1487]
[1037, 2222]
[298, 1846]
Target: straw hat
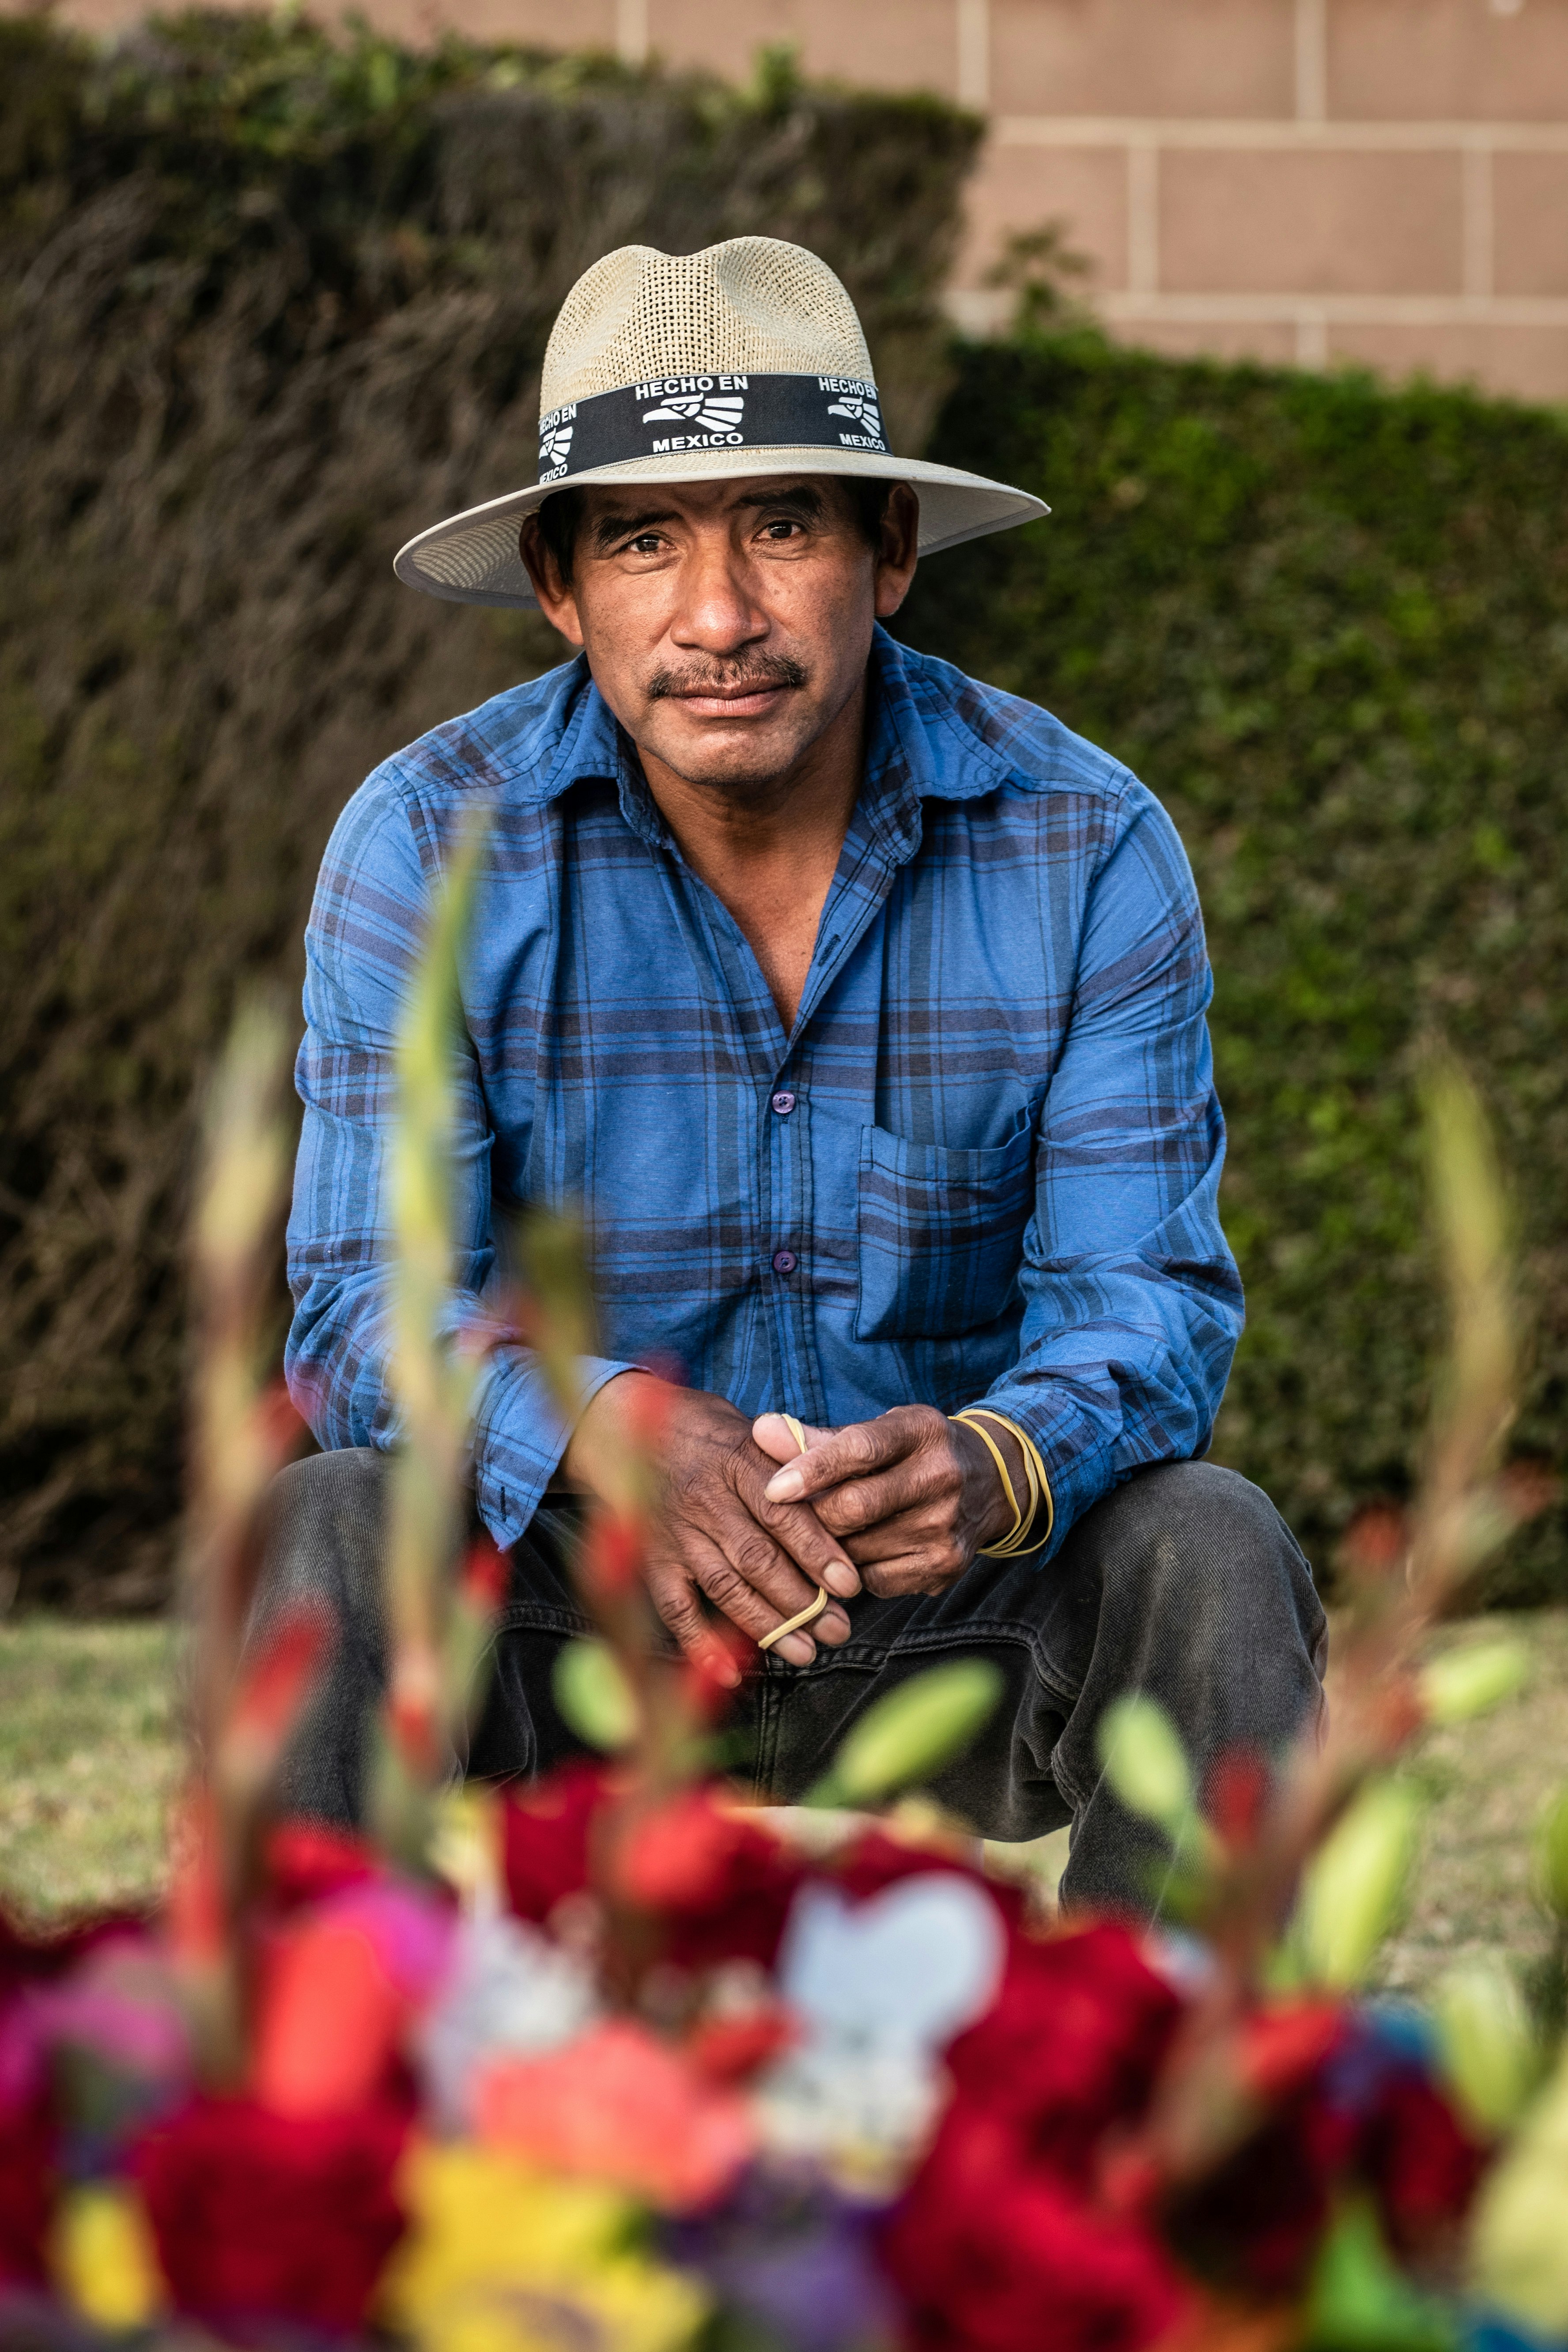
[746, 358]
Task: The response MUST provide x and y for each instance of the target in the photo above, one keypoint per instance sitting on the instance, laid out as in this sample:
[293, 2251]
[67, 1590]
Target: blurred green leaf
[554, 1253]
[1359, 2300]
[432, 1382]
[247, 1140]
[430, 1675]
[1519, 2240]
[1355, 1884]
[1551, 1855]
[1465, 1517]
[905, 1738]
[1144, 1762]
[1489, 2050]
[1468, 1682]
[595, 1697]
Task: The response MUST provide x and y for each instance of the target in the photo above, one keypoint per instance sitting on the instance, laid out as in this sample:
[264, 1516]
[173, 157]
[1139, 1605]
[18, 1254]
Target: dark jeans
[1184, 1583]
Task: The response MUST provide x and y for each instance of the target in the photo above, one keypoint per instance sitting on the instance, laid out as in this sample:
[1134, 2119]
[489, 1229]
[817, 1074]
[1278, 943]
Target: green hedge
[1327, 625]
[267, 304]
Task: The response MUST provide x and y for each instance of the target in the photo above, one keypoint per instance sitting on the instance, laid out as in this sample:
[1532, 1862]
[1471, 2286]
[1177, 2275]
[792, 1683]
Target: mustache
[757, 671]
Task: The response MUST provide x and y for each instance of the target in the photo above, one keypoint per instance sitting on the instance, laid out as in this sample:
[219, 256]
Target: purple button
[783, 1105]
[784, 1261]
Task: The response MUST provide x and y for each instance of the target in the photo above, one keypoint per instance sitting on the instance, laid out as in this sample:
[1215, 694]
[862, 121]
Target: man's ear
[897, 549]
[556, 599]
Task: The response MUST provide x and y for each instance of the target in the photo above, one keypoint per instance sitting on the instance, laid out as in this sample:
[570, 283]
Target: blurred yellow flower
[103, 2259]
[502, 2259]
[464, 1840]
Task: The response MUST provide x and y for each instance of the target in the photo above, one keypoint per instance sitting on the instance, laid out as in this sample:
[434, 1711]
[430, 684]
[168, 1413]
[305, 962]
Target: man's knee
[344, 1486]
[323, 1536]
[1199, 1544]
[323, 1543]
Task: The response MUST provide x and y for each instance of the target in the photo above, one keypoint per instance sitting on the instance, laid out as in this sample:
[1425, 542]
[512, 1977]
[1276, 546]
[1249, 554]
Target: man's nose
[717, 612]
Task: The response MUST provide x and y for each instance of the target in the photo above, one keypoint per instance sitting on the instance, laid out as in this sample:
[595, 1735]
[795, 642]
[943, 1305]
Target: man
[861, 1009]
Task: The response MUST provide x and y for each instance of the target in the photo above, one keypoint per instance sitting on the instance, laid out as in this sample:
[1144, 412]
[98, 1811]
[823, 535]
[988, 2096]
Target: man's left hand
[913, 1497]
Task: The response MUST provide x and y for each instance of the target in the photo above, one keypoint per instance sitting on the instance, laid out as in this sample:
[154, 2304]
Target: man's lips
[731, 701]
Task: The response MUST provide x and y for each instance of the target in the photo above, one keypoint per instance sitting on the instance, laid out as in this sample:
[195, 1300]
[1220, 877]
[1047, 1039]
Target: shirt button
[783, 1105]
[784, 1261]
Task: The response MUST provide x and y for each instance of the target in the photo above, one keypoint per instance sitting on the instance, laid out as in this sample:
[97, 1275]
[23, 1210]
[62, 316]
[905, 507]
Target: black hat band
[676, 416]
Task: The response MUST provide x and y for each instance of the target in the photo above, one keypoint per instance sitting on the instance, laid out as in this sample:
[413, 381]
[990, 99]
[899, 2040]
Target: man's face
[727, 623]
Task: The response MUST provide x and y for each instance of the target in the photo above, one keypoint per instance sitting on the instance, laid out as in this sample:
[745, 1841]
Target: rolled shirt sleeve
[362, 951]
[1132, 1304]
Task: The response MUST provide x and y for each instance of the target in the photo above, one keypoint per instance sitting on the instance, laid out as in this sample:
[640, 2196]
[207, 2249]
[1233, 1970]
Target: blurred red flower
[721, 1883]
[1363, 2114]
[544, 1841]
[1421, 2165]
[1002, 2242]
[27, 2186]
[993, 2253]
[1070, 2046]
[307, 1862]
[259, 2216]
[337, 1985]
[28, 2129]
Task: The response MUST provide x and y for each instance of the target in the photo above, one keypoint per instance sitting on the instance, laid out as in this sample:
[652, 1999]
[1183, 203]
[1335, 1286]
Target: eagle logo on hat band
[860, 410]
[554, 449]
[710, 412]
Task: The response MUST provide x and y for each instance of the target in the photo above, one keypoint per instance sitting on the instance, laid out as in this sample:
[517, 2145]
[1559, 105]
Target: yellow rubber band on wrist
[1015, 1544]
[813, 1609]
[962, 1420]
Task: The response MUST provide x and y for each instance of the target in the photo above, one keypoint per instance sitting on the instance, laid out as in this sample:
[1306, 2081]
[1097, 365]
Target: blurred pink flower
[618, 2104]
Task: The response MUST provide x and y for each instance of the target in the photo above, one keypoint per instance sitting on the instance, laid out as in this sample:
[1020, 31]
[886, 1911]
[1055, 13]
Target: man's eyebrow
[801, 499]
[611, 527]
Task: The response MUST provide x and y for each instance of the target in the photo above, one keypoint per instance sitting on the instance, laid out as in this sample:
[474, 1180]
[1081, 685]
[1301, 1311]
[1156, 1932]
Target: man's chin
[735, 758]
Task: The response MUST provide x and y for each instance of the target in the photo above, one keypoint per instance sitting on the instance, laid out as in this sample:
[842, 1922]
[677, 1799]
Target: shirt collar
[920, 745]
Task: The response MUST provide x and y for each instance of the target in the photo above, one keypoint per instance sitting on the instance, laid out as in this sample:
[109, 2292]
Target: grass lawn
[90, 1751]
[1489, 1779]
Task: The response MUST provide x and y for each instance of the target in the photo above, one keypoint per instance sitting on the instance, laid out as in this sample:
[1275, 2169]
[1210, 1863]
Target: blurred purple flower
[793, 2256]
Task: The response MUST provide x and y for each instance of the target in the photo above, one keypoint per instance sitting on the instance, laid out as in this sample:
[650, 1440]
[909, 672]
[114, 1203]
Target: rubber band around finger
[813, 1609]
[792, 1625]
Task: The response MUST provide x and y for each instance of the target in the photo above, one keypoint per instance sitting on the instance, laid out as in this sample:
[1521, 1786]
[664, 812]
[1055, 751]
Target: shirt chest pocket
[940, 1233]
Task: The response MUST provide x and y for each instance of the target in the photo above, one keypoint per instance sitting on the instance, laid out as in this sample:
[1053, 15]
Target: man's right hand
[715, 1533]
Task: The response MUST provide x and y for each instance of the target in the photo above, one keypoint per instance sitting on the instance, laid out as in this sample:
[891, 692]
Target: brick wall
[1382, 181]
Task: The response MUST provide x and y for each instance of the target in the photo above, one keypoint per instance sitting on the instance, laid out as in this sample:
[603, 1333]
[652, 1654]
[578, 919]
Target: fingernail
[841, 1579]
[798, 1648]
[785, 1487]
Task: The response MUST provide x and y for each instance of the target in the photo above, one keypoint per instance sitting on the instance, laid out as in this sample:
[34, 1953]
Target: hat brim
[472, 557]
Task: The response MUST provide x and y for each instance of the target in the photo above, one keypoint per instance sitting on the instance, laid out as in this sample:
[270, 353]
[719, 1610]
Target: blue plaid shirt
[983, 1166]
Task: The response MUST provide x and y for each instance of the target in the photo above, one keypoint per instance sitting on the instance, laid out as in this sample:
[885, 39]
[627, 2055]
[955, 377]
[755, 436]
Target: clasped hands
[749, 1524]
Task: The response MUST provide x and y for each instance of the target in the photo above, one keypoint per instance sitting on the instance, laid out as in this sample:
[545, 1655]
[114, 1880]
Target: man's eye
[782, 526]
[647, 542]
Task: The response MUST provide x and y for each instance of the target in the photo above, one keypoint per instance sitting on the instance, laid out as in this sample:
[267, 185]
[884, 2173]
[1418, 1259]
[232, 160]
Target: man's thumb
[772, 1433]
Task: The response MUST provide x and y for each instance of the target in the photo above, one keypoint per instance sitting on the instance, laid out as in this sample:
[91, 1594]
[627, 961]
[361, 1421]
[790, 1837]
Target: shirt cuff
[1071, 1454]
[520, 1435]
